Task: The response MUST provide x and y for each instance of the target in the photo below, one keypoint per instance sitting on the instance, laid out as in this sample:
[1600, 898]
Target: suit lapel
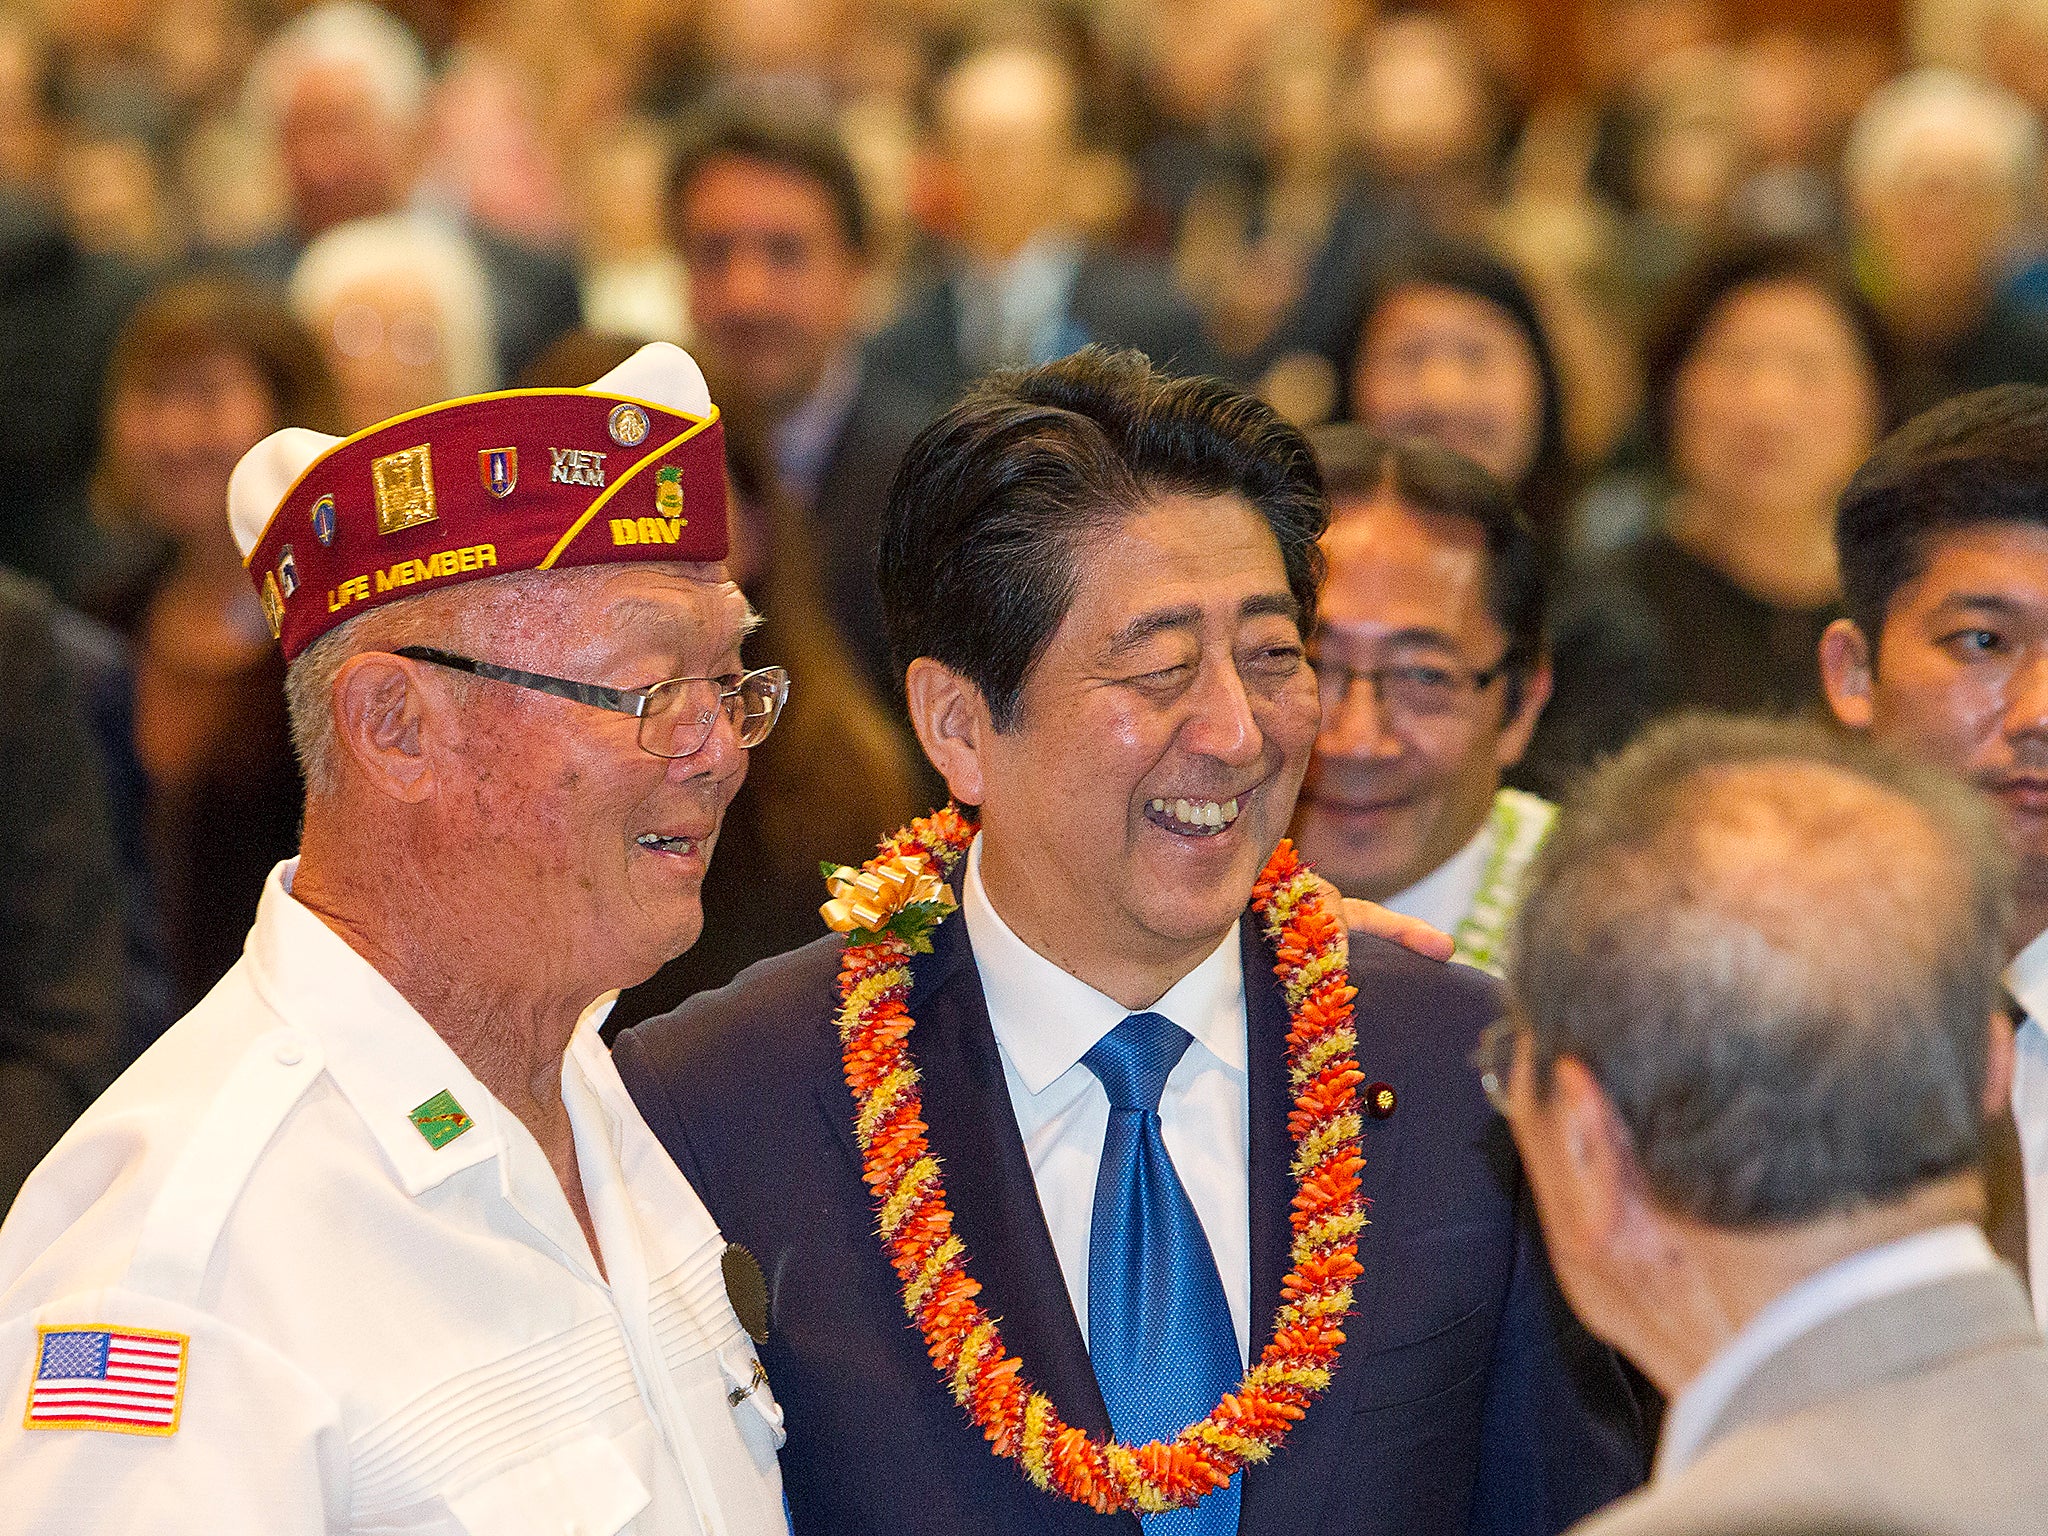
[2005, 1192]
[1287, 1492]
[2005, 1177]
[1271, 1182]
[989, 1183]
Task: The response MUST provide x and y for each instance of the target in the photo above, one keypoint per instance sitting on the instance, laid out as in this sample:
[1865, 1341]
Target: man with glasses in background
[374, 1237]
[1429, 655]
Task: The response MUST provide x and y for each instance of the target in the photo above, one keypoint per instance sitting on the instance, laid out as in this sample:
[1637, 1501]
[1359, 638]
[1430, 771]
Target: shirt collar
[1886, 1270]
[386, 1060]
[803, 439]
[1046, 1020]
[1442, 897]
[2027, 978]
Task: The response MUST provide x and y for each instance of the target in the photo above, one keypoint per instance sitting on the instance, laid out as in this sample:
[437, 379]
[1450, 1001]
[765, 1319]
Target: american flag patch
[122, 1379]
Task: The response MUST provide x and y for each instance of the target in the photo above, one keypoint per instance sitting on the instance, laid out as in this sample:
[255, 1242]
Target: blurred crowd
[1672, 307]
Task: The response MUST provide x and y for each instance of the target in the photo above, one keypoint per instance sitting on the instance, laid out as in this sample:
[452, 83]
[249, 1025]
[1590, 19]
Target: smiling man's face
[1159, 743]
[583, 837]
[1393, 793]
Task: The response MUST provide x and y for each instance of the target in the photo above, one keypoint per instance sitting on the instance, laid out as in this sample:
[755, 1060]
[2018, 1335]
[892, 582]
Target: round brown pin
[747, 1289]
[1379, 1100]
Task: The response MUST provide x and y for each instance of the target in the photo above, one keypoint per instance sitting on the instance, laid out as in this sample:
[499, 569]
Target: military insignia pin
[404, 482]
[747, 1289]
[324, 521]
[287, 573]
[668, 491]
[498, 468]
[440, 1120]
[273, 605]
[628, 424]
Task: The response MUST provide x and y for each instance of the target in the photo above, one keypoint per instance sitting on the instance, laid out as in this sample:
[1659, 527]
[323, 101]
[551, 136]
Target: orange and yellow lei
[904, 881]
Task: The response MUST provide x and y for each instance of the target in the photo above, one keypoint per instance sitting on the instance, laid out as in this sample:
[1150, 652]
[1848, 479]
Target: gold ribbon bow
[869, 898]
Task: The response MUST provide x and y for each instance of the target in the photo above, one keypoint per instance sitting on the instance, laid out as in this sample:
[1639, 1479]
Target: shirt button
[290, 1054]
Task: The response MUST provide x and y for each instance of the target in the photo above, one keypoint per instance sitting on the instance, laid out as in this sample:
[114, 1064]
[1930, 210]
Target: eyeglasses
[1416, 690]
[1494, 1059]
[676, 716]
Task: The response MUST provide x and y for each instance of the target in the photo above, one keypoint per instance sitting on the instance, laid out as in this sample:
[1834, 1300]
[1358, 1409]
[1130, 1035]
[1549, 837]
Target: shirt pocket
[584, 1488]
[1442, 1360]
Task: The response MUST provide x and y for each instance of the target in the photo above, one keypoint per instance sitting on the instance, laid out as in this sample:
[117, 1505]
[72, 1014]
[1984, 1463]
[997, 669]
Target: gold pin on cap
[404, 482]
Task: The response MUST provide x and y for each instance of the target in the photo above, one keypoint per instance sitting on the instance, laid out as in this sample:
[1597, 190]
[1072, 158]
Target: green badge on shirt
[440, 1120]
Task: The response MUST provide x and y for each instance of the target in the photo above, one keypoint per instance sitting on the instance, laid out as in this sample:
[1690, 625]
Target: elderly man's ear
[952, 725]
[380, 709]
[1590, 1188]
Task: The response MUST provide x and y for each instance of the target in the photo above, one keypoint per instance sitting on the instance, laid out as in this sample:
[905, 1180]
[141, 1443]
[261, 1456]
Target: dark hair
[210, 313]
[203, 316]
[977, 561]
[1776, 947]
[1695, 302]
[1545, 487]
[1359, 463]
[1979, 458]
[777, 127]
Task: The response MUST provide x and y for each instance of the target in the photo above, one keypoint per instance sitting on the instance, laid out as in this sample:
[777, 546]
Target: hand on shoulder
[1376, 921]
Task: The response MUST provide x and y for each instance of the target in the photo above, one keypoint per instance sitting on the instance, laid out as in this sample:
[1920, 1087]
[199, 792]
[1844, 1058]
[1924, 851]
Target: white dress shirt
[1957, 1248]
[1045, 1021]
[379, 1334]
[1442, 897]
[2027, 979]
[1015, 312]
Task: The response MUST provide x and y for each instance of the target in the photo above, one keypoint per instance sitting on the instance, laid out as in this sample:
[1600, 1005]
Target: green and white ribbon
[1518, 825]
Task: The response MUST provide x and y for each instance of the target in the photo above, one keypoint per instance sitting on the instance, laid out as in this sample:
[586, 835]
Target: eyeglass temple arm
[619, 700]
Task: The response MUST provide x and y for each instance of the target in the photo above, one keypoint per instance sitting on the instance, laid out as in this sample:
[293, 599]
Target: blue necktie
[1159, 1330]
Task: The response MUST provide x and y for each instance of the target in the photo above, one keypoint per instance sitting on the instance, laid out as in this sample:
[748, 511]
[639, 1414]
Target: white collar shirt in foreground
[378, 1333]
[1442, 897]
[1936, 1254]
[2027, 979]
[1045, 1021]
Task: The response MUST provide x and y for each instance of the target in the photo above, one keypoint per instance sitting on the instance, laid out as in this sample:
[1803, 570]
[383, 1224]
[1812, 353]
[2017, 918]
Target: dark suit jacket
[852, 495]
[61, 308]
[1114, 301]
[62, 961]
[1465, 1400]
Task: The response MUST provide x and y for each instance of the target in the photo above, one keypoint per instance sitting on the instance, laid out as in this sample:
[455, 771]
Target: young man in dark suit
[1943, 541]
[765, 209]
[1098, 579]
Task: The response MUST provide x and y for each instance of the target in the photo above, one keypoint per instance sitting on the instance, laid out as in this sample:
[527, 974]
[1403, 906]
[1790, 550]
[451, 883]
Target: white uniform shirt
[1045, 1021]
[380, 1336]
[2027, 979]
